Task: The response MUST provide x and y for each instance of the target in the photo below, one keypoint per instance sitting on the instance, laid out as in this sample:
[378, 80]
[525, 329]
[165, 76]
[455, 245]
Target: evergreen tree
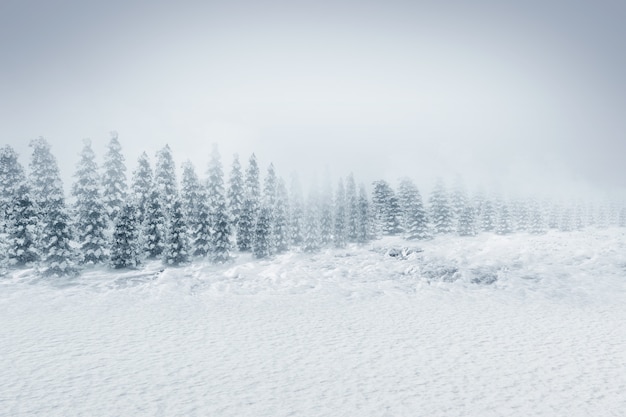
[467, 222]
[196, 211]
[281, 218]
[91, 217]
[177, 241]
[326, 212]
[165, 180]
[488, 218]
[536, 219]
[565, 224]
[57, 255]
[521, 215]
[114, 179]
[269, 201]
[414, 218]
[125, 251]
[235, 191]
[554, 218]
[249, 212]
[503, 226]
[340, 235]
[362, 215]
[458, 200]
[312, 224]
[354, 213]
[296, 224]
[141, 188]
[262, 246]
[22, 229]
[11, 178]
[218, 212]
[579, 217]
[622, 217]
[441, 214]
[154, 227]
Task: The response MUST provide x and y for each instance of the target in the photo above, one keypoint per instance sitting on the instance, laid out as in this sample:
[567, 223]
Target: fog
[531, 95]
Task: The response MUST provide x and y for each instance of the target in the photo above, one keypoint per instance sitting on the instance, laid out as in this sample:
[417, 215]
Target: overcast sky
[525, 92]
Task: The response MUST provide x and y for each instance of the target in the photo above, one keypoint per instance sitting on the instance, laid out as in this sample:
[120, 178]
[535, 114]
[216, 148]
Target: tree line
[120, 223]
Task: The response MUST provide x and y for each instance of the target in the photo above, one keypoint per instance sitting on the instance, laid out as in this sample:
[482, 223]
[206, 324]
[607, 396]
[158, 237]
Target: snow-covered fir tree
[326, 211]
[269, 201]
[11, 178]
[154, 227]
[467, 222]
[488, 217]
[262, 245]
[90, 214]
[141, 186]
[235, 191]
[114, 186]
[387, 208]
[622, 217]
[458, 199]
[565, 223]
[165, 180]
[125, 248]
[218, 211]
[340, 227]
[296, 215]
[57, 255]
[503, 225]
[311, 241]
[578, 221]
[414, 217]
[353, 212]
[440, 211]
[177, 241]
[281, 218]
[536, 225]
[22, 230]
[520, 215]
[249, 211]
[196, 211]
[363, 217]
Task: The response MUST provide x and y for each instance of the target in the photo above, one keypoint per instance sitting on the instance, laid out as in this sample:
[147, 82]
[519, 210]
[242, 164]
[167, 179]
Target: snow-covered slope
[514, 325]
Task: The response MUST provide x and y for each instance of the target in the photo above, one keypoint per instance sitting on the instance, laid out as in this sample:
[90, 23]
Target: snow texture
[490, 325]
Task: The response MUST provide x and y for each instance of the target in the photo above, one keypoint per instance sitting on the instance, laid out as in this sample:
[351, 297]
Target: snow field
[342, 333]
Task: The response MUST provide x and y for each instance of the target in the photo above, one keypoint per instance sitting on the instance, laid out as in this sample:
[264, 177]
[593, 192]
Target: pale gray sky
[518, 92]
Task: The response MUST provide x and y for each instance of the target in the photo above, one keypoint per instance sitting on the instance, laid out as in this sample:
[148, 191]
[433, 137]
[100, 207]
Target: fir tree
[218, 212]
[177, 242]
[467, 223]
[296, 224]
[414, 218]
[312, 224]
[91, 217]
[441, 214]
[22, 229]
[262, 246]
[269, 201]
[503, 226]
[622, 217]
[196, 211]
[125, 251]
[565, 224]
[281, 218]
[11, 178]
[326, 212]
[154, 227]
[114, 179]
[536, 219]
[57, 255]
[142, 186]
[488, 218]
[362, 215]
[458, 200]
[340, 235]
[354, 213]
[247, 221]
[165, 180]
[235, 191]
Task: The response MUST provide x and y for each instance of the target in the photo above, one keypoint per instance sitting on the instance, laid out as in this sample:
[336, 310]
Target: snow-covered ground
[517, 325]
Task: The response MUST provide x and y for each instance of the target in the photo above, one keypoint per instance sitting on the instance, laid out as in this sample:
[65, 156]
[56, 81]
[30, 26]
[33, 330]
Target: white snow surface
[350, 332]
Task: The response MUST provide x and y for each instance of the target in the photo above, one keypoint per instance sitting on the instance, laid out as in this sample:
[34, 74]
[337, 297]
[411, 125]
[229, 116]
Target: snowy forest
[120, 222]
